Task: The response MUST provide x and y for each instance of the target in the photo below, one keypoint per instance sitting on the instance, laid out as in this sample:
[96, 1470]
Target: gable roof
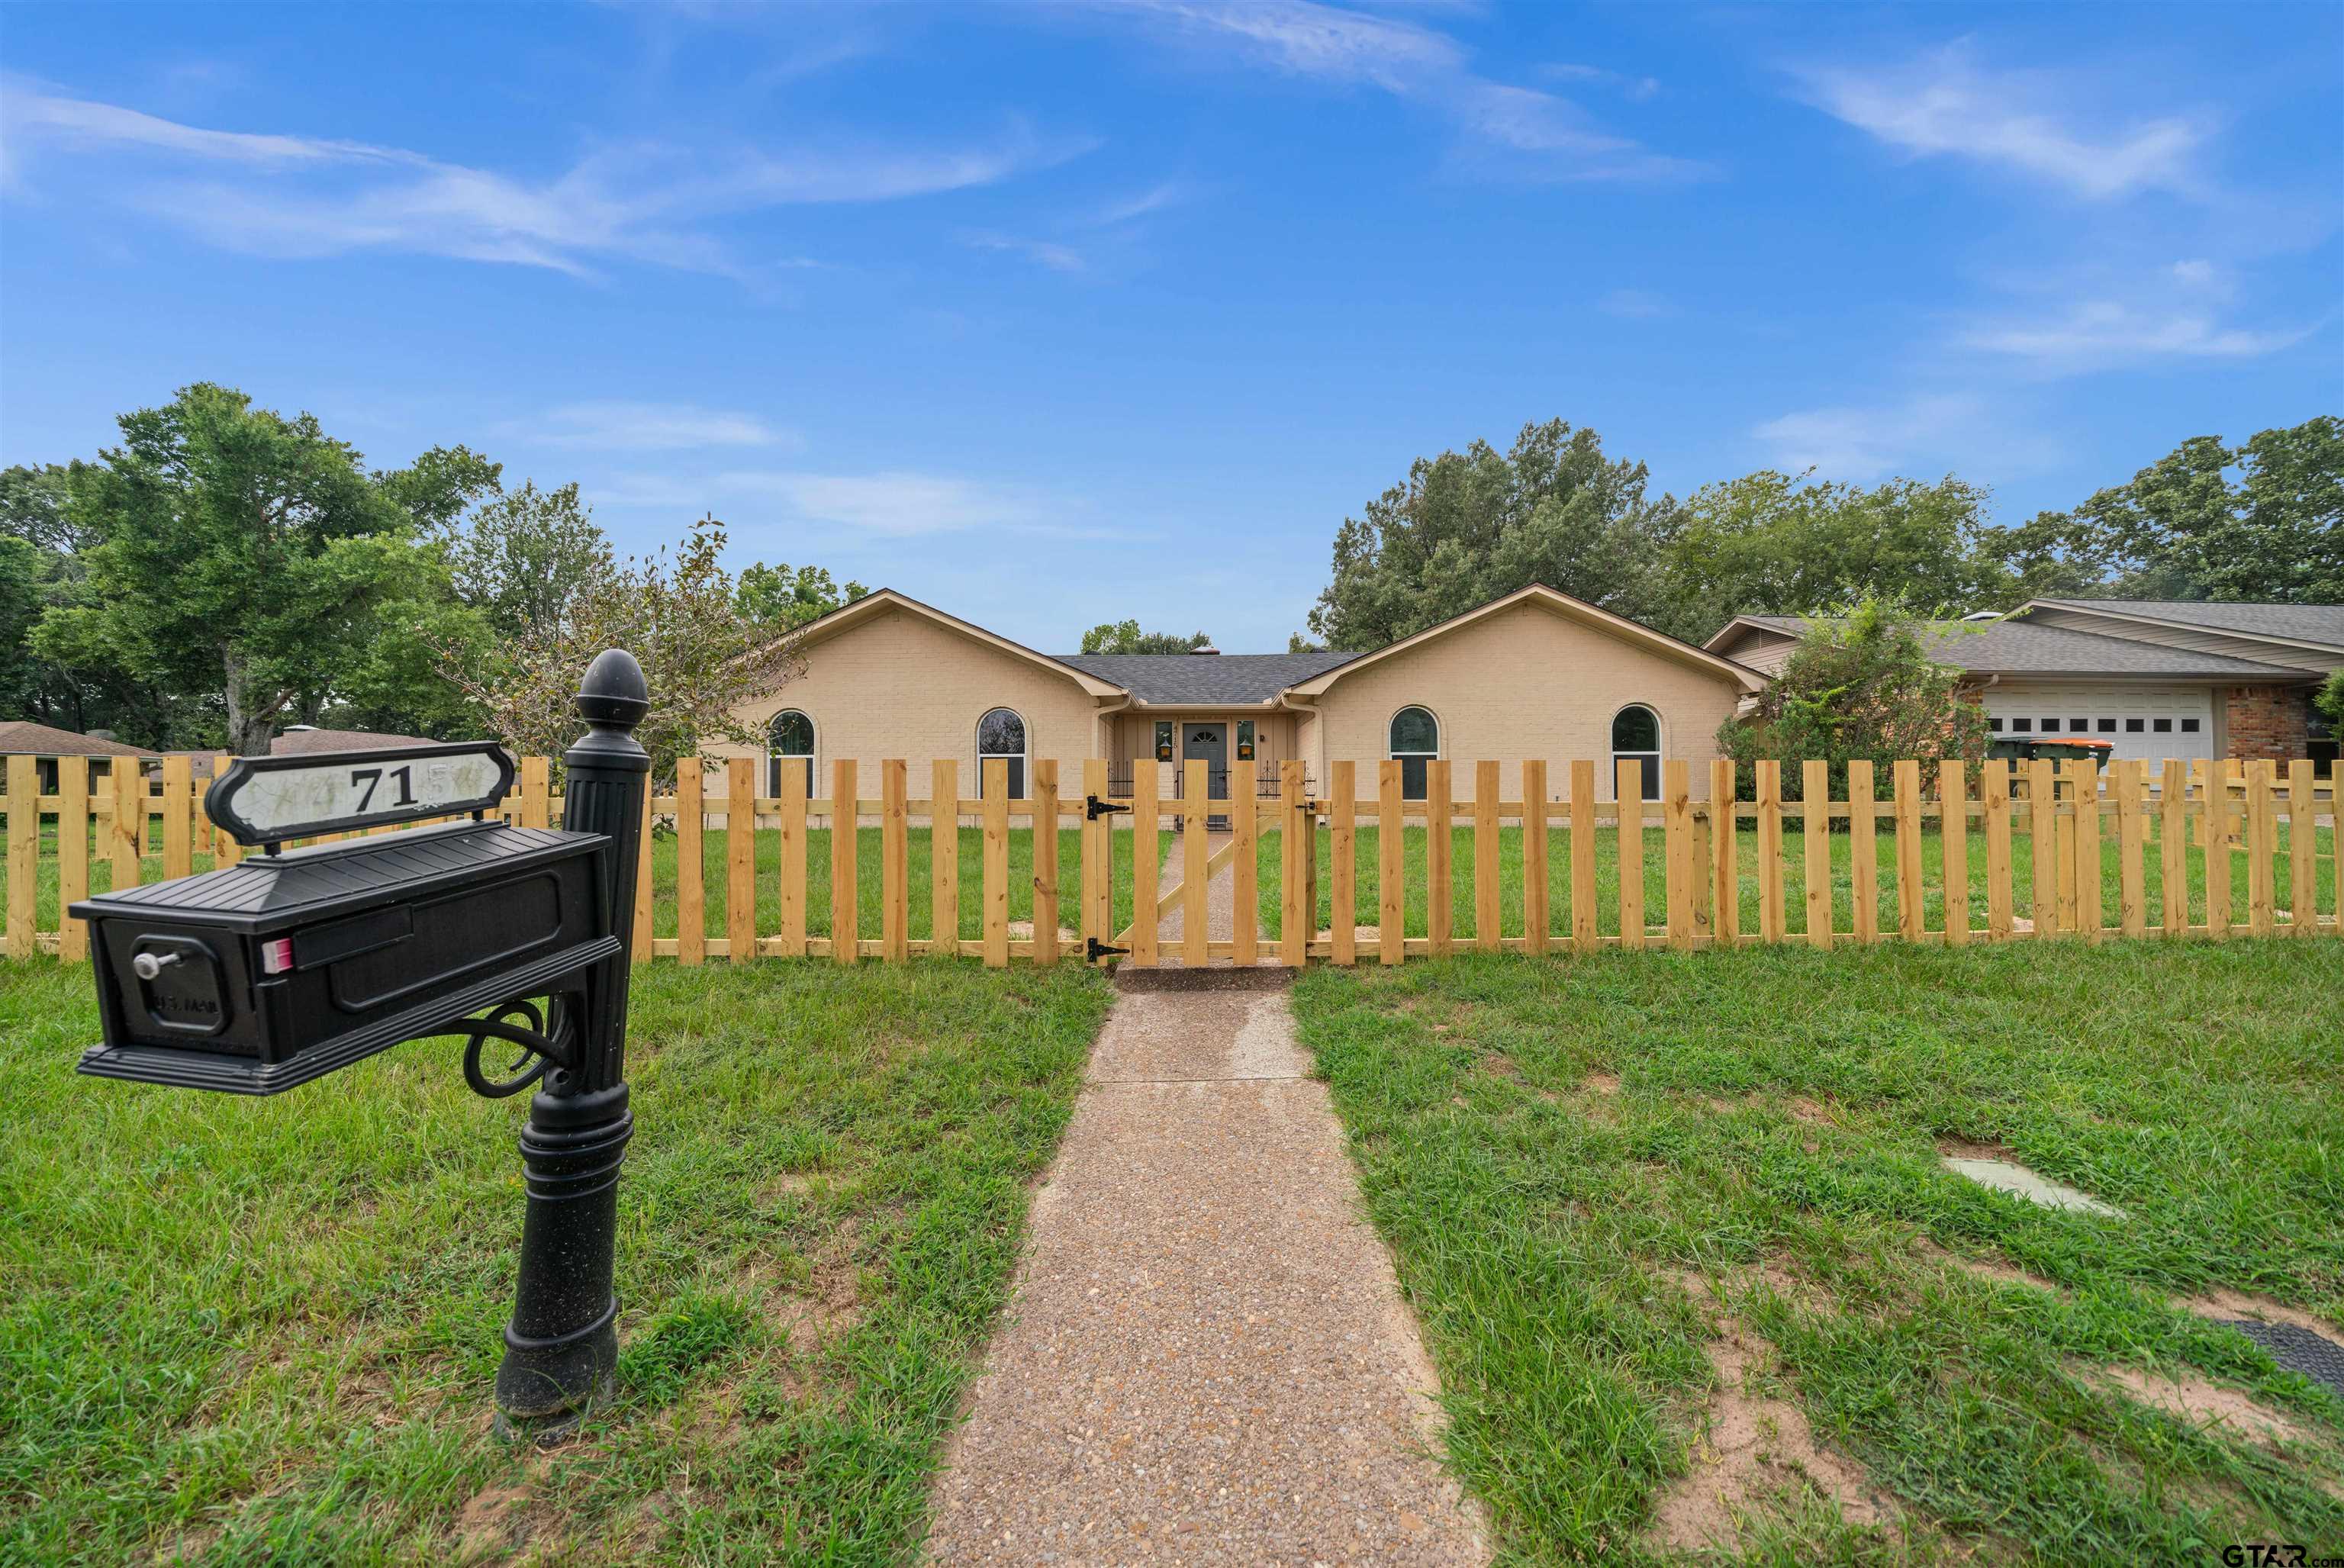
[301, 740]
[2321, 625]
[48, 741]
[2017, 648]
[847, 617]
[1594, 616]
[1176, 679]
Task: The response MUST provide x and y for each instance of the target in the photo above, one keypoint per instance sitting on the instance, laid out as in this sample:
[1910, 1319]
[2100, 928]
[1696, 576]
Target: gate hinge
[1094, 950]
[1096, 808]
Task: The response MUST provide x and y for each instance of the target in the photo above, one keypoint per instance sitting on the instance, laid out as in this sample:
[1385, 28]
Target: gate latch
[1094, 950]
[1096, 808]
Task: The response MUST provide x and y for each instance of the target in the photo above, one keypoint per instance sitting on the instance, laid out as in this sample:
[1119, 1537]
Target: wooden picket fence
[2187, 820]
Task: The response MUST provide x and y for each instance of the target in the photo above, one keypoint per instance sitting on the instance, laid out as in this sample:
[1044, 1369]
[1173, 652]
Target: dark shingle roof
[1204, 677]
[46, 740]
[2017, 648]
[301, 742]
[2321, 624]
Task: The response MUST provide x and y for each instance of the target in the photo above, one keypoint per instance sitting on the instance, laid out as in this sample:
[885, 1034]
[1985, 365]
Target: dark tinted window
[1994, 725]
[2164, 727]
[2108, 726]
[1636, 729]
[1414, 729]
[2189, 726]
[2050, 726]
[2135, 726]
[2021, 726]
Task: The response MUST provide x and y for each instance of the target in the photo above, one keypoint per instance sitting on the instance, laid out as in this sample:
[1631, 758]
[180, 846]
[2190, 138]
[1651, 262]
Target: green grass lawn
[1368, 901]
[1561, 1156]
[264, 1330]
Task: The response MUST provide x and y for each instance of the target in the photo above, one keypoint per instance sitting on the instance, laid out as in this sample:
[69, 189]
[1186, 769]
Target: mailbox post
[257, 977]
[561, 1348]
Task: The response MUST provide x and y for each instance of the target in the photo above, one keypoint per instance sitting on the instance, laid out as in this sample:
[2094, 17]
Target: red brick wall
[2266, 722]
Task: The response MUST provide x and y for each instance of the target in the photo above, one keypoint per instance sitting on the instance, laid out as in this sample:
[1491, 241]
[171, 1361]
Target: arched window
[1415, 741]
[1636, 737]
[1002, 734]
[789, 737]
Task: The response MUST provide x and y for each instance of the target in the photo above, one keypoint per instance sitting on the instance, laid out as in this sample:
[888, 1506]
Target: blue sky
[1055, 314]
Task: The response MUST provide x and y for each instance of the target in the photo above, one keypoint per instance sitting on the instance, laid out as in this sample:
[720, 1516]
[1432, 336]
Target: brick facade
[2266, 722]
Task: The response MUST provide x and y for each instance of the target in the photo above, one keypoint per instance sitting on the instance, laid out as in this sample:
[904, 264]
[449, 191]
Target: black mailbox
[260, 975]
[283, 968]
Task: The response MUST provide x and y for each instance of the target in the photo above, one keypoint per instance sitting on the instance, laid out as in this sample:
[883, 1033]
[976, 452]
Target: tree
[781, 600]
[1126, 637]
[1465, 528]
[2184, 528]
[1862, 683]
[2330, 700]
[678, 615]
[237, 552]
[523, 555]
[1771, 543]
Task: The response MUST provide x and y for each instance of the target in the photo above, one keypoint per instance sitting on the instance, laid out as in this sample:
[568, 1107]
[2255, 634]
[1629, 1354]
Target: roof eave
[2081, 607]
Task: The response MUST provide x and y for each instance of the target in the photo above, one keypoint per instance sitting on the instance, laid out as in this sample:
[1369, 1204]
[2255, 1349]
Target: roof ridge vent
[1205, 648]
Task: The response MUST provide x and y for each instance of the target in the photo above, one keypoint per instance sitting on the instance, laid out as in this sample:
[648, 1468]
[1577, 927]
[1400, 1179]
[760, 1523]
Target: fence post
[23, 850]
[1534, 856]
[178, 822]
[1910, 908]
[2261, 845]
[1147, 793]
[2302, 837]
[1099, 848]
[1439, 882]
[1245, 883]
[1045, 833]
[1391, 869]
[992, 778]
[536, 791]
[1628, 801]
[1586, 935]
[1815, 839]
[73, 856]
[1197, 806]
[1864, 849]
[740, 861]
[225, 851]
[1489, 926]
[2043, 844]
[1770, 851]
[2089, 904]
[1725, 852]
[1343, 840]
[2173, 847]
[2132, 851]
[1953, 847]
[1297, 918]
[943, 858]
[691, 907]
[845, 844]
[1676, 831]
[1994, 800]
[2214, 831]
[640, 937]
[895, 863]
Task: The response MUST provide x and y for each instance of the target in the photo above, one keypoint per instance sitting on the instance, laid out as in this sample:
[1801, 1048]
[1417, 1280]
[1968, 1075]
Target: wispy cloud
[1946, 104]
[2100, 318]
[893, 504]
[645, 428]
[1635, 304]
[1041, 252]
[1166, 194]
[1636, 89]
[297, 196]
[1871, 440]
[1548, 136]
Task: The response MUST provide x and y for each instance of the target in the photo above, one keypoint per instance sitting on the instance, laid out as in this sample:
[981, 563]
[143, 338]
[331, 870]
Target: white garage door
[2151, 723]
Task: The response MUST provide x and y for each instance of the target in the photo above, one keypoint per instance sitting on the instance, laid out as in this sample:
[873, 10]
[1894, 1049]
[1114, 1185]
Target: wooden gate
[1180, 874]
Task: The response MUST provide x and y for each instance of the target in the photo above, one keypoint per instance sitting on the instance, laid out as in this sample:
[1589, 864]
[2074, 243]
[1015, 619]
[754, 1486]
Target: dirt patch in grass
[1814, 1113]
[1963, 1148]
[1991, 1271]
[2199, 1401]
[494, 1524]
[1756, 1451]
[2229, 1305]
[1601, 1083]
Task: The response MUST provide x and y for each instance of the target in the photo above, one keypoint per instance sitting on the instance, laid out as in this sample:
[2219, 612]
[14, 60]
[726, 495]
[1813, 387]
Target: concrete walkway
[1220, 897]
[1207, 1359]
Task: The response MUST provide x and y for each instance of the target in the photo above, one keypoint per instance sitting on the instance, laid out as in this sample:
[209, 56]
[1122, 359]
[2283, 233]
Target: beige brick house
[1536, 673]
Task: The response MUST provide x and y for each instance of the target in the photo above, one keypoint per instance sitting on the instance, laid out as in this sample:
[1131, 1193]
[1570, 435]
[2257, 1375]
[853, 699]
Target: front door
[1209, 744]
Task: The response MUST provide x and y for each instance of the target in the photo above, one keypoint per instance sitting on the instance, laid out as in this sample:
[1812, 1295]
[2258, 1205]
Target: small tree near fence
[1860, 684]
[678, 616]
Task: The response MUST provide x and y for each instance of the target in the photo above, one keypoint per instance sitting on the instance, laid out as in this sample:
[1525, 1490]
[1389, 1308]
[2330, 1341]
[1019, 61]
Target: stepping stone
[2004, 1175]
[2298, 1349]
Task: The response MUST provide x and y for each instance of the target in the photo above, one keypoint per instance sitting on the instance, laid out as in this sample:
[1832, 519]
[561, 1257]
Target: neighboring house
[1536, 673]
[299, 740]
[47, 743]
[2157, 678]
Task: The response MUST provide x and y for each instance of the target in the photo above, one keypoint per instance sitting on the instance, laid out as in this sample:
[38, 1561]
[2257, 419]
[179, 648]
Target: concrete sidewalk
[1208, 1360]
